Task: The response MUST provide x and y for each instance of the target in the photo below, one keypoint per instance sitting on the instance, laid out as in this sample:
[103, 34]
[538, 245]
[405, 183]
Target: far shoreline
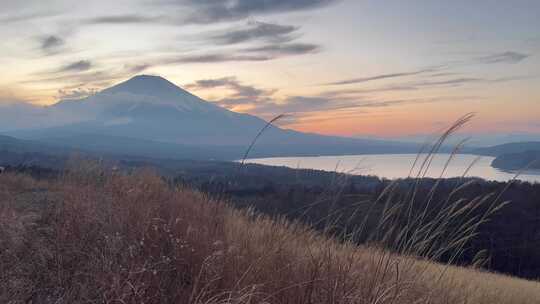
[482, 169]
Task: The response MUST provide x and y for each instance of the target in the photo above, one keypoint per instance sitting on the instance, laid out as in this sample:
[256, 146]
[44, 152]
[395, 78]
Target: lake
[399, 165]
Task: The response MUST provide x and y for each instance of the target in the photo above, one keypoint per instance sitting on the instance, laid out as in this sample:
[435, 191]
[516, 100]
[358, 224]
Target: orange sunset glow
[332, 66]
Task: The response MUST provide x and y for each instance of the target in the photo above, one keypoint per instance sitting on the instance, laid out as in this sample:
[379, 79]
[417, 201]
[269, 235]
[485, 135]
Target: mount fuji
[147, 115]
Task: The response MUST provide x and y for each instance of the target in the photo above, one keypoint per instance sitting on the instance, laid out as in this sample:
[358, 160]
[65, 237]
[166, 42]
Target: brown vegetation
[97, 237]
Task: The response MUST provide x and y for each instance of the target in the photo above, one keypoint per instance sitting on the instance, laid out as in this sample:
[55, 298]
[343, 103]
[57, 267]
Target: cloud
[505, 57]
[51, 42]
[277, 42]
[309, 107]
[214, 58]
[468, 80]
[297, 104]
[389, 103]
[263, 53]
[262, 101]
[82, 74]
[344, 103]
[256, 31]
[380, 77]
[79, 66]
[211, 11]
[434, 72]
[74, 73]
[14, 18]
[124, 19]
[241, 93]
[101, 78]
[278, 50]
[76, 93]
[392, 88]
[452, 82]
[212, 83]
[135, 69]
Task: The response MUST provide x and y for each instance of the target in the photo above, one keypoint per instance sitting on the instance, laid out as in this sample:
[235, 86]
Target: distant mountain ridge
[517, 147]
[157, 113]
[513, 156]
[528, 160]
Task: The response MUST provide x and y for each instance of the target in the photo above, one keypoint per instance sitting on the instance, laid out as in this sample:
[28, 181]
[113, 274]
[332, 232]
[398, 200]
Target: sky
[381, 68]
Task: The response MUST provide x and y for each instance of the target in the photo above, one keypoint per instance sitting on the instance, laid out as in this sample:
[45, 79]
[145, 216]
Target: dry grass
[475, 286]
[97, 237]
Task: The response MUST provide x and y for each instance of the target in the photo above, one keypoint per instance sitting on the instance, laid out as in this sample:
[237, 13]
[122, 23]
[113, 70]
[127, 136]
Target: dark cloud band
[79, 66]
[210, 11]
[256, 31]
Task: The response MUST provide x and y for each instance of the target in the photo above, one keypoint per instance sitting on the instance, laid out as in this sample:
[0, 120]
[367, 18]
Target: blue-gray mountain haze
[150, 116]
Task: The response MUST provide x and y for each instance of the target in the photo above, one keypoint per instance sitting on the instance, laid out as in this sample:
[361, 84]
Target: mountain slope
[15, 152]
[11, 144]
[150, 108]
[125, 146]
[528, 160]
[517, 147]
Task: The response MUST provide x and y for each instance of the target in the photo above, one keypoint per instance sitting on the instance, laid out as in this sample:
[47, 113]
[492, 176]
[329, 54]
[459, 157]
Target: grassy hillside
[98, 237]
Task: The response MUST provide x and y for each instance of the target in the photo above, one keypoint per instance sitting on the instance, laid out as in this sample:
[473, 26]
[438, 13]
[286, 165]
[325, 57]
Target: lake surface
[399, 165]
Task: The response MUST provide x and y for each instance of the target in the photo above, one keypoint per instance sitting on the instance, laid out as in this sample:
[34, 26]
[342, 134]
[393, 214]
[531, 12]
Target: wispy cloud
[265, 103]
[212, 83]
[78, 66]
[451, 82]
[391, 88]
[137, 68]
[211, 11]
[51, 44]
[25, 17]
[76, 93]
[266, 41]
[505, 57]
[443, 70]
[420, 84]
[241, 93]
[278, 50]
[454, 82]
[262, 53]
[99, 79]
[309, 107]
[297, 104]
[215, 58]
[347, 102]
[255, 31]
[125, 19]
[86, 74]
[380, 77]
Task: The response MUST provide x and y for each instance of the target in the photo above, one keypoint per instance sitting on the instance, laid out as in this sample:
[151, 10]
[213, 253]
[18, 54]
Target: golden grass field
[111, 238]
